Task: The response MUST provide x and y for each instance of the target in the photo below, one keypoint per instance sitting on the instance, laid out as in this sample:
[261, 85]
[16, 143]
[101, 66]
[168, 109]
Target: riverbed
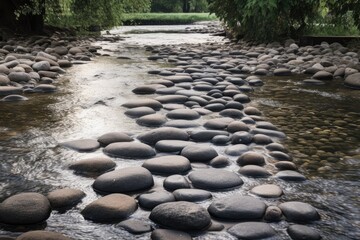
[321, 122]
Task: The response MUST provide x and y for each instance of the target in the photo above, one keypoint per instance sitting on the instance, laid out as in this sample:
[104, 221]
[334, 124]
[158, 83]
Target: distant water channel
[322, 124]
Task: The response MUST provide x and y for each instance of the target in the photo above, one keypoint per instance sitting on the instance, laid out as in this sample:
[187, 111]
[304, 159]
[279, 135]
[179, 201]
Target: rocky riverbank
[203, 139]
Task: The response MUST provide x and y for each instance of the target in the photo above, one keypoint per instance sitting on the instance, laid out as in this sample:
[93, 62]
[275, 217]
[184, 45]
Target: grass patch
[166, 18]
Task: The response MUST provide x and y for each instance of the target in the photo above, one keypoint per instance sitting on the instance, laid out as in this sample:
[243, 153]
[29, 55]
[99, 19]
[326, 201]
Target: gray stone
[25, 208]
[252, 230]
[323, 75]
[285, 165]
[252, 111]
[64, 198]
[166, 234]
[151, 200]
[261, 139]
[282, 72]
[254, 171]
[4, 80]
[181, 216]
[268, 132]
[45, 88]
[206, 135]
[181, 124]
[219, 162]
[220, 140]
[113, 137]
[251, 158]
[237, 207]
[172, 99]
[82, 145]
[353, 81]
[301, 232]
[111, 208]
[186, 114]
[168, 165]
[273, 214]
[289, 175]
[236, 150]
[19, 77]
[41, 66]
[267, 191]
[179, 79]
[280, 156]
[146, 102]
[42, 235]
[215, 107]
[132, 150]
[172, 145]
[145, 89]
[152, 120]
[14, 98]
[237, 126]
[241, 138]
[191, 195]
[93, 165]
[233, 113]
[299, 212]
[135, 226]
[276, 147]
[215, 179]
[139, 112]
[124, 180]
[163, 133]
[199, 153]
[174, 182]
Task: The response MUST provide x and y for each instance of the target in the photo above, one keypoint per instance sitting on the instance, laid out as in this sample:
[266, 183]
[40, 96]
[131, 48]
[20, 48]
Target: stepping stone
[172, 145]
[276, 147]
[42, 235]
[82, 145]
[191, 195]
[215, 107]
[280, 156]
[144, 89]
[237, 126]
[179, 79]
[152, 120]
[181, 216]
[181, 124]
[270, 133]
[146, 102]
[252, 111]
[237, 207]
[174, 182]
[220, 140]
[168, 165]
[172, 99]
[199, 153]
[236, 150]
[241, 138]
[64, 198]
[218, 123]
[135, 226]
[151, 200]
[285, 165]
[169, 90]
[241, 98]
[215, 179]
[111, 208]
[282, 72]
[323, 75]
[267, 191]
[251, 158]
[254, 171]
[252, 230]
[139, 112]
[163, 133]
[186, 114]
[301, 232]
[206, 135]
[173, 106]
[24, 209]
[93, 165]
[289, 175]
[261, 139]
[14, 98]
[299, 212]
[124, 180]
[273, 214]
[190, 93]
[219, 162]
[45, 88]
[351, 81]
[113, 137]
[233, 113]
[132, 150]
[166, 234]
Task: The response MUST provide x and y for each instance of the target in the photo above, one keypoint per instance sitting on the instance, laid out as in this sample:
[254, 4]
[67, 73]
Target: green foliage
[177, 6]
[166, 18]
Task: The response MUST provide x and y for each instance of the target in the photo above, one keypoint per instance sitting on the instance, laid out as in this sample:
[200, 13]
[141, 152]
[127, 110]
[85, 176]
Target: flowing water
[322, 124]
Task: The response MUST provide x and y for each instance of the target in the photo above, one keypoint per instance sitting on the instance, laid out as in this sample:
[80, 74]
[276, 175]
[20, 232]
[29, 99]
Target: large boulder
[353, 81]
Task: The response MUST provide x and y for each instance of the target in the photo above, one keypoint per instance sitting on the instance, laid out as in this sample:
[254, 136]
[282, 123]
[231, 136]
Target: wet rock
[313, 82]
[181, 216]
[285, 165]
[241, 138]
[273, 214]
[113, 137]
[82, 145]
[267, 191]
[139, 112]
[251, 158]
[261, 139]
[135, 226]
[322, 75]
[181, 124]
[124, 180]
[111, 208]
[172, 99]
[237, 207]
[219, 162]
[268, 132]
[215, 107]
[280, 156]
[252, 230]
[164, 133]
[215, 179]
[171, 145]
[146, 89]
[93, 165]
[130, 150]
[19, 77]
[179, 79]
[299, 212]
[236, 150]
[25, 208]
[237, 126]
[220, 140]
[64, 198]
[289, 175]
[45, 88]
[146, 102]
[199, 153]
[191, 195]
[252, 111]
[282, 72]
[4, 80]
[276, 147]
[218, 123]
[41, 66]
[186, 114]
[254, 171]
[166, 234]
[42, 235]
[63, 63]
[206, 135]
[301, 232]
[168, 165]
[353, 81]
[14, 98]
[152, 120]
[174, 182]
[151, 200]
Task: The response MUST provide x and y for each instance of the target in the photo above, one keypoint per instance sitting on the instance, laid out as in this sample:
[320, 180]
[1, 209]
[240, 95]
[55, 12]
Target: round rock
[172, 145]
[111, 208]
[251, 158]
[254, 171]
[135, 226]
[299, 212]
[139, 111]
[237, 207]
[93, 165]
[163, 133]
[353, 81]
[186, 114]
[151, 200]
[42, 235]
[199, 153]
[181, 216]
[124, 180]
[64, 198]
[289, 175]
[301, 232]
[236, 150]
[215, 179]
[113, 137]
[151, 103]
[252, 230]
[174, 182]
[82, 145]
[25, 208]
[168, 165]
[130, 150]
[267, 191]
[191, 195]
[152, 120]
[166, 234]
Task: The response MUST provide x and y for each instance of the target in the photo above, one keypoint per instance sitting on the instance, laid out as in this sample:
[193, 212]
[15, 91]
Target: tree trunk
[186, 6]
